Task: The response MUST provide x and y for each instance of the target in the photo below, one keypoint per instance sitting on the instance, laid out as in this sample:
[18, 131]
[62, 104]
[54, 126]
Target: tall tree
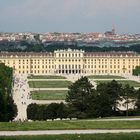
[80, 94]
[128, 96]
[8, 109]
[138, 100]
[108, 96]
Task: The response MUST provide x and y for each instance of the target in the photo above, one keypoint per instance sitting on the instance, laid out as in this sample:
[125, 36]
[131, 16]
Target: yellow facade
[71, 62]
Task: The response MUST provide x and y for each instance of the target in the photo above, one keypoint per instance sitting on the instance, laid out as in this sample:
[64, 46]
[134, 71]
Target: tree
[79, 95]
[51, 111]
[62, 111]
[107, 99]
[11, 109]
[136, 71]
[32, 111]
[8, 109]
[138, 100]
[128, 95]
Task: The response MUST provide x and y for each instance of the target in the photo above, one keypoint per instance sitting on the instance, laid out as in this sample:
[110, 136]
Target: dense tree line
[28, 46]
[83, 101]
[8, 109]
[45, 112]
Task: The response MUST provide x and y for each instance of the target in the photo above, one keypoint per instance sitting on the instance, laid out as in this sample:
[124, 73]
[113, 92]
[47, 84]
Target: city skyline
[69, 16]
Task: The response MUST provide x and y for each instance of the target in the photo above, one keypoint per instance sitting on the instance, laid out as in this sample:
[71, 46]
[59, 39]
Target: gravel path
[47, 80]
[58, 132]
[21, 96]
[33, 89]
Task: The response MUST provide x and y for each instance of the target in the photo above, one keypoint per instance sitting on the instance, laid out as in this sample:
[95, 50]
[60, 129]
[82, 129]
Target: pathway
[21, 96]
[47, 101]
[47, 80]
[38, 89]
[58, 132]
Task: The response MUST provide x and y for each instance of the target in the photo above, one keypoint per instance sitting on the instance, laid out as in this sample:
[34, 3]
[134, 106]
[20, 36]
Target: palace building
[71, 62]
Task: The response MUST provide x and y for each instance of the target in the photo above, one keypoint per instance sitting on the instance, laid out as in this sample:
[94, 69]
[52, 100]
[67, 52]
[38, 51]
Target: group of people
[22, 95]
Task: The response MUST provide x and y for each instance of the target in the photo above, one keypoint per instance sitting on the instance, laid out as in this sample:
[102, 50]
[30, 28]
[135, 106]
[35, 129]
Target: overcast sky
[70, 15]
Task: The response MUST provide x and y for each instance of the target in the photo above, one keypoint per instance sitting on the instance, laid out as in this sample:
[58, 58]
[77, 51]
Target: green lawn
[105, 77]
[49, 84]
[49, 95]
[131, 83]
[46, 77]
[66, 125]
[120, 136]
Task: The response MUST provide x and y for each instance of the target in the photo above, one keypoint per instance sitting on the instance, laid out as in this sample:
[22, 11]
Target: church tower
[113, 30]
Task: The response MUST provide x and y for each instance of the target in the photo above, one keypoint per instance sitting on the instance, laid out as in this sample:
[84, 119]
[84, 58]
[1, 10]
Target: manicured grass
[49, 95]
[49, 84]
[120, 136]
[67, 125]
[105, 77]
[131, 83]
[46, 77]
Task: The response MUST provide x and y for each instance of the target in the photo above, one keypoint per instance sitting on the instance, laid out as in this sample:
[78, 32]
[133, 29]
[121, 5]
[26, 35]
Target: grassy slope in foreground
[120, 136]
[46, 77]
[49, 95]
[65, 125]
[49, 84]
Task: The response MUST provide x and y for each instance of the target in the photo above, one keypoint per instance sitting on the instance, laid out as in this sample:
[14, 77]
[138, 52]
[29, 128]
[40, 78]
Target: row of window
[68, 60]
[70, 55]
[69, 66]
[46, 66]
[110, 71]
[95, 71]
[35, 71]
[105, 66]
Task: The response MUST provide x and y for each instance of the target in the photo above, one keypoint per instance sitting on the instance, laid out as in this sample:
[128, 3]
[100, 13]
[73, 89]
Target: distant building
[71, 62]
[110, 33]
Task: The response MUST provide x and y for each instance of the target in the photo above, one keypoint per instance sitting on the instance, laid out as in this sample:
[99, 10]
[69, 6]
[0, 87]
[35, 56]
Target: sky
[69, 16]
